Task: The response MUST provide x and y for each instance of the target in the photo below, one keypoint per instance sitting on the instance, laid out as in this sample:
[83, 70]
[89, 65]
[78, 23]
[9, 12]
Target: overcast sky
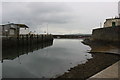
[60, 17]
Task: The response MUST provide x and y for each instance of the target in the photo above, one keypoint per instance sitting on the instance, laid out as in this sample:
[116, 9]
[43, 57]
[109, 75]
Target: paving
[110, 72]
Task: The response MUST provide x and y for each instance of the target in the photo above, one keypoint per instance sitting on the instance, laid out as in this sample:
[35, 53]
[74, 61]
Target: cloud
[119, 7]
[36, 12]
[61, 17]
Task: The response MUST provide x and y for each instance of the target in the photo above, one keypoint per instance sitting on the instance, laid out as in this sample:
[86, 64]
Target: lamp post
[47, 28]
[100, 25]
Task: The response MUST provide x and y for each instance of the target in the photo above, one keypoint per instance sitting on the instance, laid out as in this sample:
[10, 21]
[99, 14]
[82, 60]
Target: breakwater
[25, 40]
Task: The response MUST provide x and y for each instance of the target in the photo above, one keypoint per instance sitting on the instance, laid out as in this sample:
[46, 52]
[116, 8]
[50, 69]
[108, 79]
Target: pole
[100, 25]
[47, 28]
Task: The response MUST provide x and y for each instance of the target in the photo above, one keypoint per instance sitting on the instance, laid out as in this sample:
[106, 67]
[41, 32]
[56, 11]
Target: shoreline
[99, 62]
[102, 46]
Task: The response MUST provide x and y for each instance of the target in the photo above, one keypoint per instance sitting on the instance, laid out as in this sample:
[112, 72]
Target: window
[12, 31]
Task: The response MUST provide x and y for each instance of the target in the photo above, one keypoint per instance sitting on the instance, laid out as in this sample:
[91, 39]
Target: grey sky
[119, 7]
[60, 17]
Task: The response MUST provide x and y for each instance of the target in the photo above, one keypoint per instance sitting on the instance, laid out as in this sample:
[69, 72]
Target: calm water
[47, 62]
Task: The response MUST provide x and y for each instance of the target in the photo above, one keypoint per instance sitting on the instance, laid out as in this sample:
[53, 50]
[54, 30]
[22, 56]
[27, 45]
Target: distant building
[112, 22]
[13, 29]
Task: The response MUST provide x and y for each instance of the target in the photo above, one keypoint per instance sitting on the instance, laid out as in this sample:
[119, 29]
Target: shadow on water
[12, 53]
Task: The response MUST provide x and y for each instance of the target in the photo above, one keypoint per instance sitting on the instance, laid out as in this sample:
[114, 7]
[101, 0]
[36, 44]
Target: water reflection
[52, 59]
[12, 53]
[47, 62]
[99, 62]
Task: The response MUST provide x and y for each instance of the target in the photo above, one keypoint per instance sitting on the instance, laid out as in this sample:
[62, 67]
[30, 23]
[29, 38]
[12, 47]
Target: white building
[23, 29]
[14, 29]
[112, 22]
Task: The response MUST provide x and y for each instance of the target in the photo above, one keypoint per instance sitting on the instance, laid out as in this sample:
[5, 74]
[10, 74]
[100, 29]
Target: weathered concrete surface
[110, 72]
[109, 34]
[103, 47]
[106, 49]
[105, 40]
[0, 48]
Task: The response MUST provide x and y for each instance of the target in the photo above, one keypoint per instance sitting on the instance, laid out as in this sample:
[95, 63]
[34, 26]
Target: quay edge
[25, 40]
[104, 40]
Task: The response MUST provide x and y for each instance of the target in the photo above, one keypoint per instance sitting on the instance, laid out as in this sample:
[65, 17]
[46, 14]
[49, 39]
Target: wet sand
[99, 62]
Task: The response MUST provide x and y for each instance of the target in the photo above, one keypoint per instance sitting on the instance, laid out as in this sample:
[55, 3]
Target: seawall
[104, 40]
[109, 34]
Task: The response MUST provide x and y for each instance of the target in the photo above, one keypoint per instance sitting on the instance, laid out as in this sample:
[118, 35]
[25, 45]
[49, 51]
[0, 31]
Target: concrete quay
[111, 72]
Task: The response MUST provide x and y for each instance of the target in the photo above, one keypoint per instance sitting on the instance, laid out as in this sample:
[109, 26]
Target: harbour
[67, 61]
[60, 40]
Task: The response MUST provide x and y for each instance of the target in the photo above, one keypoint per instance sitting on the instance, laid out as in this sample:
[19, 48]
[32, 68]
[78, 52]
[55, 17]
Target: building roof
[112, 18]
[20, 25]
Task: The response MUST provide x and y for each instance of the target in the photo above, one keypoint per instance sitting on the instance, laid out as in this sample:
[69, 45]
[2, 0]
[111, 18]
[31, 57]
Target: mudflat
[99, 62]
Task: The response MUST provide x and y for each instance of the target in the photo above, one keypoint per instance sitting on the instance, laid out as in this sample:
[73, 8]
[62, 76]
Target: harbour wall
[25, 40]
[108, 34]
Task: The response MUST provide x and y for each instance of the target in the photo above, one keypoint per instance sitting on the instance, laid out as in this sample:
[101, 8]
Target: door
[113, 24]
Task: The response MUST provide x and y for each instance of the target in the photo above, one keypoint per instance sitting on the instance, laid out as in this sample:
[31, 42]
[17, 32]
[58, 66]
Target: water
[48, 61]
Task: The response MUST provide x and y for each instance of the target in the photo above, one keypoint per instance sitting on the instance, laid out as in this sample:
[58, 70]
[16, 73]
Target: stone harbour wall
[25, 40]
[109, 34]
